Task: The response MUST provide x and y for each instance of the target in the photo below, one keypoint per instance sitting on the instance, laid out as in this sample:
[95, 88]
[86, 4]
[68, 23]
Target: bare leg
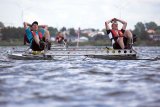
[129, 36]
[47, 35]
[36, 38]
[120, 42]
[47, 39]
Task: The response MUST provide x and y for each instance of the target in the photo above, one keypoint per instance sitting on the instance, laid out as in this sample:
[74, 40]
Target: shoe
[48, 45]
[129, 46]
[41, 45]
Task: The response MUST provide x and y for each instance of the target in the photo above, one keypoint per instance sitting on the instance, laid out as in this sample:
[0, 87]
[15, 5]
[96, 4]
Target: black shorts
[117, 46]
[36, 47]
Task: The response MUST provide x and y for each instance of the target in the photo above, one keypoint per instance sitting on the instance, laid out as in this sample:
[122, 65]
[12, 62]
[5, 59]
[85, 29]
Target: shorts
[117, 46]
[36, 47]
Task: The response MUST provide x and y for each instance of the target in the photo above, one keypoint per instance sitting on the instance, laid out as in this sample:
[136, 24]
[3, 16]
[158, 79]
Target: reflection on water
[74, 82]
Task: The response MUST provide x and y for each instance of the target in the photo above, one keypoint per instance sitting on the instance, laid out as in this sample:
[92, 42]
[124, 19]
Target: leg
[35, 46]
[38, 46]
[120, 42]
[129, 36]
[36, 38]
[47, 35]
[47, 39]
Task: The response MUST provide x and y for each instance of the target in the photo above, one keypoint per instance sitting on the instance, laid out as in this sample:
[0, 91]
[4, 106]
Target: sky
[78, 13]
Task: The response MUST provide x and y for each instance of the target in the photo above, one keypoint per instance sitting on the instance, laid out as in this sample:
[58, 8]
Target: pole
[22, 9]
[78, 37]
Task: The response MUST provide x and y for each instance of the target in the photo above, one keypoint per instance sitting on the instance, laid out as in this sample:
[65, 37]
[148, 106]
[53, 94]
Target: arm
[26, 25]
[123, 22]
[28, 31]
[43, 26]
[107, 24]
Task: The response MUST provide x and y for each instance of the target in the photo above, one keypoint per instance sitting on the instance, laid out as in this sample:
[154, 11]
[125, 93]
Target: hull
[108, 54]
[114, 57]
[20, 56]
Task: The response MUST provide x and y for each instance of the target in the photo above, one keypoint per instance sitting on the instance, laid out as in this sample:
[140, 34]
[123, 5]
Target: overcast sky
[78, 13]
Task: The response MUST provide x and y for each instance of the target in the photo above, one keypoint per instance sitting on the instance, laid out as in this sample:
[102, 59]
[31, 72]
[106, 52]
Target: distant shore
[89, 43]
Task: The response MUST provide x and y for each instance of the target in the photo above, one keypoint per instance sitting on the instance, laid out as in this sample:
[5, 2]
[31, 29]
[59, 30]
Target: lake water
[79, 82]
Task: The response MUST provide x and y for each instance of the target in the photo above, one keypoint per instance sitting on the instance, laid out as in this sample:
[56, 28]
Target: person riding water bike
[37, 38]
[121, 39]
[60, 39]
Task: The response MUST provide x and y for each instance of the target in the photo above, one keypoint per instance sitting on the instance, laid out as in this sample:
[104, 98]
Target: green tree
[158, 29]
[72, 32]
[63, 29]
[151, 25]
[53, 31]
[140, 31]
[12, 33]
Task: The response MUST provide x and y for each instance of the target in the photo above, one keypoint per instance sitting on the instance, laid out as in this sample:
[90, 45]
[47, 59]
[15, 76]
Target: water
[75, 82]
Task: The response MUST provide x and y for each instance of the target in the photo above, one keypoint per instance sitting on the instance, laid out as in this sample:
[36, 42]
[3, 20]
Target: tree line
[16, 33]
[141, 29]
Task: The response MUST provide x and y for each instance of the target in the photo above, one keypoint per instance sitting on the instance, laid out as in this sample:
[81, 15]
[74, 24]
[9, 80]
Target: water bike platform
[104, 53]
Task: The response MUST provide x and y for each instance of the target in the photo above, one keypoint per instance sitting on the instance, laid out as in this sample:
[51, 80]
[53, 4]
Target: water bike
[103, 53]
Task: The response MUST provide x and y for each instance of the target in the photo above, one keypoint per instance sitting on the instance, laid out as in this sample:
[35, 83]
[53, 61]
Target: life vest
[39, 34]
[114, 35]
[117, 34]
[33, 34]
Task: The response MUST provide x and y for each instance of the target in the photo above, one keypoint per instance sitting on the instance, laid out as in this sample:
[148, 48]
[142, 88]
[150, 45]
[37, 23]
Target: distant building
[87, 31]
[156, 37]
[153, 35]
[91, 32]
[83, 39]
[52, 38]
[150, 31]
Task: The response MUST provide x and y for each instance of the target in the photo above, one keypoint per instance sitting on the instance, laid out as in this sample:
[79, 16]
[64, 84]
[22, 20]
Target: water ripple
[81, 82]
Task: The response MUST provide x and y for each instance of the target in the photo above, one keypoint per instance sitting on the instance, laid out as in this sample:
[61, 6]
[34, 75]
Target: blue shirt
[30, 36]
